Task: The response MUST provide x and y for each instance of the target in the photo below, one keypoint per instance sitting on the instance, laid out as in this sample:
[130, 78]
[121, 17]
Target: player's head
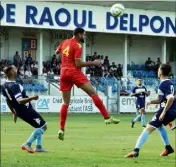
[139, 82]
[80, 34]
[11, 72]
[164, 71]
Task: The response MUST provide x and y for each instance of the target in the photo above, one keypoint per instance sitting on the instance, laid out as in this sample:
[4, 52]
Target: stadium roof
[148, 5]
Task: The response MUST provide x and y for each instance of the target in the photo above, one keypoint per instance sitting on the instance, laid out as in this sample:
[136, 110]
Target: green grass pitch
[88, 143]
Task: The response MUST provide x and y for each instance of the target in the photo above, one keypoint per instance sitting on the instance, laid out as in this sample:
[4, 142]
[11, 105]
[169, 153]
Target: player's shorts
[70, 77]
[169, 117]
[140, 106]
[33, 118]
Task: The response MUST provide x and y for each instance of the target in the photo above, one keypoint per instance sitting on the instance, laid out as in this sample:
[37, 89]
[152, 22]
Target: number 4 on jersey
[66, 51]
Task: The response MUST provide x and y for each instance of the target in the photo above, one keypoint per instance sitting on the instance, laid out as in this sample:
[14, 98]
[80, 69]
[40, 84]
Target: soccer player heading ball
[71, 74]
[165, 114]
[20, 105]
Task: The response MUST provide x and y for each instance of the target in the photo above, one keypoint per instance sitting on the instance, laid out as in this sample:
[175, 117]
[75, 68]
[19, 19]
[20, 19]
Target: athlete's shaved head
[11, 72]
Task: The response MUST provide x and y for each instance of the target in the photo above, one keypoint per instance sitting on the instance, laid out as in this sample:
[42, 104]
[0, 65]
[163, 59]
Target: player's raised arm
[78, 61]
[80, 64]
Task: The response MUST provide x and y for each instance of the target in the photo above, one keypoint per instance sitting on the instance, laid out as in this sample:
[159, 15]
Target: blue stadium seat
[114, 89]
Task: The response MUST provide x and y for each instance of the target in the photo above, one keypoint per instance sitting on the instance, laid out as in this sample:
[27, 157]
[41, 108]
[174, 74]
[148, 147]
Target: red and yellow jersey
[70, 50]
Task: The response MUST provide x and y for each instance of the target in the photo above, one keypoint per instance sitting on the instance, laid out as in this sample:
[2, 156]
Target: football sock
[142, 139]
[137, 118]
[63, 116]
[39, 140]
[37, 132]
[164, 135]
[99, 104]
[143, 119]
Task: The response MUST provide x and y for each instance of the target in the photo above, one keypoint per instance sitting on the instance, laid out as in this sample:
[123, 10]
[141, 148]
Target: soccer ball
[117, 10]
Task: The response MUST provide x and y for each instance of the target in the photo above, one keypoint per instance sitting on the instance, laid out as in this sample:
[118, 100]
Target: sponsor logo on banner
[128, 105]
[43, 103]
[79, 104]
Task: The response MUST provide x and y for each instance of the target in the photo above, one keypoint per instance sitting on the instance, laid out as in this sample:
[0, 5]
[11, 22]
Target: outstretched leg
[87, 87]
[141, 140]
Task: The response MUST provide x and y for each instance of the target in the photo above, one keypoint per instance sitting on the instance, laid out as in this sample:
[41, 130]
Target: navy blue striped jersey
[141, 96]
[166, 89]
[12, 91]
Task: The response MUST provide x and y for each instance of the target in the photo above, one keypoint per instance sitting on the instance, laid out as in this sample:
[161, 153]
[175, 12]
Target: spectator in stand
[21, 72]
[98, 72]
[158, 63]
[92, 73]
[28, 59]
[98, 57]
[58, 68]
[34, 64]
[2, 71]
[110, 75]
[50, 72]
[106, 61]
[25, 58]
[113, 68]
[28, 72]
[102, 59]
[94, 57]
[48, 65]
[105, 73]
[34, 68]
[17, 60]
[44, 71]
[20, 75]
[149, 64]
[119, 71]
[95, 53]
[54, 61]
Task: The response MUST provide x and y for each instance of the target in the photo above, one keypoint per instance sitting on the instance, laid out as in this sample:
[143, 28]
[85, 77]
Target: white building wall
[111, 45]
[15, 41]
[143, 47]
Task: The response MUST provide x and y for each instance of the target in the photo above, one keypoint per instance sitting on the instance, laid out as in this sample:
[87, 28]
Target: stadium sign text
[69, 16]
